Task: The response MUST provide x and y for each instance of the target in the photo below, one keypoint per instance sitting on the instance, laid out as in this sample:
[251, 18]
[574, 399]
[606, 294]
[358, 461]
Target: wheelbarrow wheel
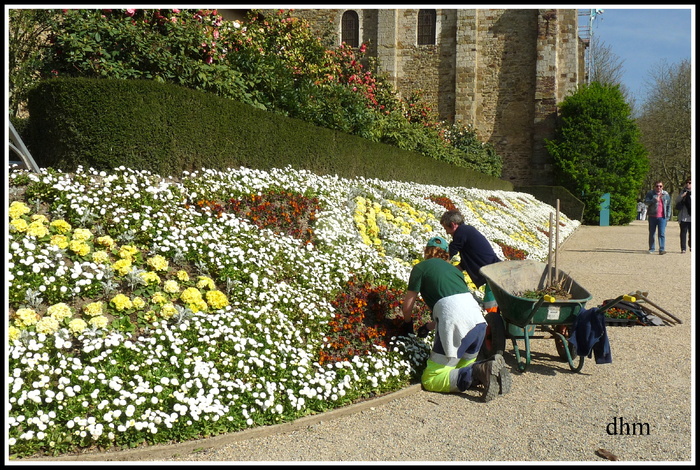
[564, 330]
[495, 339]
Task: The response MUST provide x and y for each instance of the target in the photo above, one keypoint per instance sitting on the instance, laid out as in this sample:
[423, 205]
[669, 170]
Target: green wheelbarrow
[522, 318]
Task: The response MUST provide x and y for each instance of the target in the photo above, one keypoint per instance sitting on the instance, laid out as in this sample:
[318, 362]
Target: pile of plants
[149, 310]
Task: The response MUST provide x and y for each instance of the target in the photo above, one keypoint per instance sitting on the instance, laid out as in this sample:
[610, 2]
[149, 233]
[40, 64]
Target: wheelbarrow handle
[617, 300]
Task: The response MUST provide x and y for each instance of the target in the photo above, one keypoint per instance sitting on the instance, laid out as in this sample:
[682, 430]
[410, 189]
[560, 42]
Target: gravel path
[551, 414]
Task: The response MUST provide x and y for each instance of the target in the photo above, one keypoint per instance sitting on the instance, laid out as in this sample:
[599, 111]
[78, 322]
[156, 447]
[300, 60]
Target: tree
[596, 150]
[665, 124]
[608, 68]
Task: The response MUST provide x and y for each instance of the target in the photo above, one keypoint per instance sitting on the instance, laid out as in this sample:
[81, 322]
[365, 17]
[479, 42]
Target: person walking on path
[474, 250]
[459, 327]
[683, 204]
[659, 203]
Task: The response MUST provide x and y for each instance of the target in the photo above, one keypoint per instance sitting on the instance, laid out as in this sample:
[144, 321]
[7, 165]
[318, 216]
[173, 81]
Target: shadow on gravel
[612, 250]
[543, 364]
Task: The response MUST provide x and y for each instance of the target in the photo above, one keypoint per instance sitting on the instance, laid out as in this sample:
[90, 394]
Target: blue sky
[643, 37]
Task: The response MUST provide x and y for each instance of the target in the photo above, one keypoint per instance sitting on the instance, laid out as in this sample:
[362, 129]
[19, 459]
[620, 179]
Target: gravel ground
[551, 414]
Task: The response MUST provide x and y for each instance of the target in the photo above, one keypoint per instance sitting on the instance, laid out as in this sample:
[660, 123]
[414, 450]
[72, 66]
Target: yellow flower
[138, 303]
[61, 226]
[150, 277]
[159, 298]
[191, 295]
[18, 209]
[19, 225]
[158, 262]
[40, 218]
[94, 309]
[168, 311]
[59, 311]
[79, 247]
[121, 302]
[60, 241]
[122, 266]
[82, 234]
[77, 326]
[26, 317]
[204, 281]
[216, 299]
[128, 252]
[183, 276]
[37, 229]
[47, 326]
[100, 257]
[171, 286]
[13, 333]
[99, 321]
[106, 241]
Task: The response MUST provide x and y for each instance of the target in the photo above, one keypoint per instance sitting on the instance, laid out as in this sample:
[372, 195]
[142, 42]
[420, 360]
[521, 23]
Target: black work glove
[407, 328]
[423, 331]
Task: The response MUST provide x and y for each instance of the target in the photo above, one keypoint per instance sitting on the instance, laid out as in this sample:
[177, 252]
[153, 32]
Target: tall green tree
[597, 150]
[666, 124]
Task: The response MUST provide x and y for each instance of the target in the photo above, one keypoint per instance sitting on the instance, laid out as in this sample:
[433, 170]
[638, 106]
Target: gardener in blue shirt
[474, 250]
[459, 327]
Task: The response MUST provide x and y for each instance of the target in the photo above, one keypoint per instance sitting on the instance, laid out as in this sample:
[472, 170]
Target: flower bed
[146, 309]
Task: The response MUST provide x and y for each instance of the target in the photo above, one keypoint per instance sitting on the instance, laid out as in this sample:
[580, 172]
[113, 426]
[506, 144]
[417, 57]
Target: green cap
[438, 242]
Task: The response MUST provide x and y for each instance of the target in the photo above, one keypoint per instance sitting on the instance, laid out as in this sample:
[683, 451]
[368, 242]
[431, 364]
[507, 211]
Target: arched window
[426, 27]
[350, 29]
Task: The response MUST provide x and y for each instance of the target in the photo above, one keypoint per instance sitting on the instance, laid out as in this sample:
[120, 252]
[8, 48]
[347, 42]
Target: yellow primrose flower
[77, 326]
[106, 241]
[59, 311]
[14, 333]
[204, 281]
[121, 302]
[158, 262]
[61, 226]
[47, 326]
[37, 229]
[82, 234]
[128, 252]
[171, 286]
[79, 247]
[100, 257]
[26, 317]
[19, 225]
[94, 309]
[159, 298]
[168, 311]
[191, 295]
[182, 275]
[216, 299]
[122, 266]
[41, 218]
[60, 241]
[99, 321]
[18, 209]
[138, 303]
[150, 277]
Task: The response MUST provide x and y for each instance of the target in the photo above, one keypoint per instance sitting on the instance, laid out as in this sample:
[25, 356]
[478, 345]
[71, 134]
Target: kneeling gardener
[459, 324]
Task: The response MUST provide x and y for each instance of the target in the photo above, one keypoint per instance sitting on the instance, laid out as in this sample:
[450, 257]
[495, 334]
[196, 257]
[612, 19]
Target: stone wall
[501, 70]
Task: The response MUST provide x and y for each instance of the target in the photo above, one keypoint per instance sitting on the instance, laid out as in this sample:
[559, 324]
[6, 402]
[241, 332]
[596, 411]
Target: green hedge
[166, 129]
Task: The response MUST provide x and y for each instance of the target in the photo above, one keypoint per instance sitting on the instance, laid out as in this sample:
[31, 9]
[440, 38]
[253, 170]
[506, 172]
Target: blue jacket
[474, 250]
[588, 335]
[650, 201]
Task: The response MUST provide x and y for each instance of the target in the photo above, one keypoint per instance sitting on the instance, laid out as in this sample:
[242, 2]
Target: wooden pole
[549, 254]
[556, 246]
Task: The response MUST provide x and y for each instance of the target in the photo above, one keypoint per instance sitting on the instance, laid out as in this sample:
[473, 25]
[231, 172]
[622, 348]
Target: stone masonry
[501, 70]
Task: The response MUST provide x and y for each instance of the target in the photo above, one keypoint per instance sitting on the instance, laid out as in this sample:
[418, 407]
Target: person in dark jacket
[683, 204]
[474, 250]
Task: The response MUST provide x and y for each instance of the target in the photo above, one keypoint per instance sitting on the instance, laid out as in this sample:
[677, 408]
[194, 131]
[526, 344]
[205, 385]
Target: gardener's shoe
[505, 381]
[482, 373]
